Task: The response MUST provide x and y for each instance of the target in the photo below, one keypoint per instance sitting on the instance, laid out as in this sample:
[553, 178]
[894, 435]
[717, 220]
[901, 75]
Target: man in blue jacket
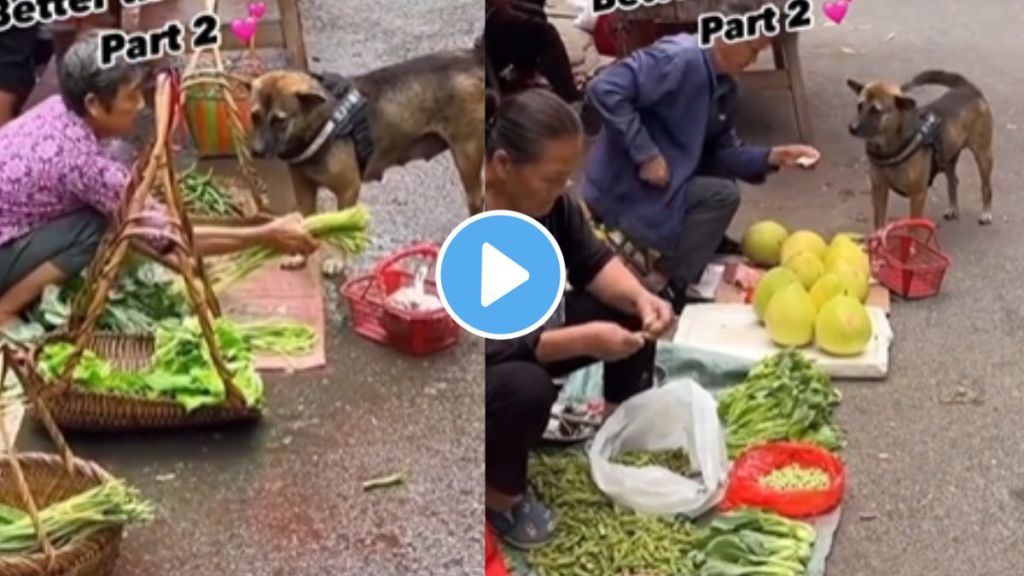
[664, 168]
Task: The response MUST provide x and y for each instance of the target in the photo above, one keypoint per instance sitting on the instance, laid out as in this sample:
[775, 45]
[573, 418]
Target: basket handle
[880, 238]
[422, 249]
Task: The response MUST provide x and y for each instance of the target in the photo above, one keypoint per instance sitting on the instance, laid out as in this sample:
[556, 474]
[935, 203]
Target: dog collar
[341, 122]
[927, 134]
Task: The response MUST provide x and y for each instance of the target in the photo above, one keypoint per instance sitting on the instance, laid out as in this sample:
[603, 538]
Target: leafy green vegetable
[182, 367]
[785, 397]
[145, 294]
[278, 337]
[344, 229]
[755, 543]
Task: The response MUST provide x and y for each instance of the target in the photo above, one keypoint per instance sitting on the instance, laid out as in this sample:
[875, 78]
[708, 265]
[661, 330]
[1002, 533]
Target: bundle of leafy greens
[785, 397]
[751, 542]
[182, 368]
[145, 295]
[110, 504]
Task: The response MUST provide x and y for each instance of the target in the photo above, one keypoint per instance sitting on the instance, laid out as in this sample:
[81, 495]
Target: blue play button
[500, 274]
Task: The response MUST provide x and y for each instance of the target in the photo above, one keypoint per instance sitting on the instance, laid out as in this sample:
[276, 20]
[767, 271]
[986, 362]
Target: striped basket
[209, 120]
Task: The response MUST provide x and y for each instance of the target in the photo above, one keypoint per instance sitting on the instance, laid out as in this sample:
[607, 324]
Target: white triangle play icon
[499, 275]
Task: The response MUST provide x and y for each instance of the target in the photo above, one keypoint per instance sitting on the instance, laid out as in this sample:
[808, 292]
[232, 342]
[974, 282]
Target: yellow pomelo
[762, 242]
[826, 288]
[854, 283]
[807, 267]
[843, 327]
[850, 253]
[846, 237]
[790, 317]
[773, 280]
[803, 241]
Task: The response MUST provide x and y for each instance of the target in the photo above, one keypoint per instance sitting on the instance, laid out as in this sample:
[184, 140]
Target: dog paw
[334, 267]
[294, 262]
[985, 219]
[951, 214]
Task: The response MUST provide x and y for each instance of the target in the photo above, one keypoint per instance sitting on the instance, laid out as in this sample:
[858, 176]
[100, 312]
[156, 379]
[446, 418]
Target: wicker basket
[76, 409]
[49, 482]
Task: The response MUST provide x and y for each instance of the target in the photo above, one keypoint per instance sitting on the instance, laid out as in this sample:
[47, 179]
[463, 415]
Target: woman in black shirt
[534, 144]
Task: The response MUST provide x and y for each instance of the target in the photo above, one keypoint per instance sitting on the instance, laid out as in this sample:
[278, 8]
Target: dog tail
[950, 80]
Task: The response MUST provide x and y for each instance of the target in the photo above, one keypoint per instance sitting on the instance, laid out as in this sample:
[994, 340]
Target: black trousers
[520, 394]
[69, 243]
[523, 38]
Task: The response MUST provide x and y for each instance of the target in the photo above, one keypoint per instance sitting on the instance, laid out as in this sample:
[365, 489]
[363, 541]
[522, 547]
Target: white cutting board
[733, 329]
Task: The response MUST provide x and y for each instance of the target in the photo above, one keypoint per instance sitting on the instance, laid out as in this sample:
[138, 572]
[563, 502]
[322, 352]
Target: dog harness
[349, 121]
[928, 134]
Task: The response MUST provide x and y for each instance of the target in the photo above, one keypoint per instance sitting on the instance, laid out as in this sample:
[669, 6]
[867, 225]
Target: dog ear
[310, 100]
[857, 87]
[905, 103]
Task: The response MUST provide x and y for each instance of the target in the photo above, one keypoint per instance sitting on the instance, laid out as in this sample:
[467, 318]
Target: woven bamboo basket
[35, 481]
[48, 480]
[76, 409]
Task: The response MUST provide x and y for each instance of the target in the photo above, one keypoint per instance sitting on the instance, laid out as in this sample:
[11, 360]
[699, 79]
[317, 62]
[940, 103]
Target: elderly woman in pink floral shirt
[59, 186]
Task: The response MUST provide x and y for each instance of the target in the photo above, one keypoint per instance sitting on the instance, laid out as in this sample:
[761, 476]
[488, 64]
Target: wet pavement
[285, 498]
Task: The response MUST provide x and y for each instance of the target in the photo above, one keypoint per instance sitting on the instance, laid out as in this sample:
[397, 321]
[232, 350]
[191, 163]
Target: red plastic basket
[413, 332]
[906, 259]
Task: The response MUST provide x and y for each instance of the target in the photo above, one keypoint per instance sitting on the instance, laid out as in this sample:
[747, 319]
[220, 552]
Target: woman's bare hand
[288, 235]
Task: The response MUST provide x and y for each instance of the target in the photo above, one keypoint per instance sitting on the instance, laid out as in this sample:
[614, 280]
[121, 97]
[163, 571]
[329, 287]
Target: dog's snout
[853, 128]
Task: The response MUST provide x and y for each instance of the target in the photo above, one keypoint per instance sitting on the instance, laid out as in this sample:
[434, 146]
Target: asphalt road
[285, 498]
[934, 463]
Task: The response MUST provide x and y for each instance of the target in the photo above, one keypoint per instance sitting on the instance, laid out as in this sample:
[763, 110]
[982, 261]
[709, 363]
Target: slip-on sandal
[527, 525]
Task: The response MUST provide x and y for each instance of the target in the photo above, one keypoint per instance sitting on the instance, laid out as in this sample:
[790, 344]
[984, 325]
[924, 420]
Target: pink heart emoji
[835, 10]
[244, 29]
[257, 10]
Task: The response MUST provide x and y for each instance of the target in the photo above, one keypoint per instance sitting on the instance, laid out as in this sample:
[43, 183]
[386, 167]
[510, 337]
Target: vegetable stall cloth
[568, 472]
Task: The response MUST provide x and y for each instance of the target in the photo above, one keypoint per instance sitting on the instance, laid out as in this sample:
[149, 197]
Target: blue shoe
[527, 526]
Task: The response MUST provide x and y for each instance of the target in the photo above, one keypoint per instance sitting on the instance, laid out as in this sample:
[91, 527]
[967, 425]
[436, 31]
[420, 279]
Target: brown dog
[340, 132]
[907, 145]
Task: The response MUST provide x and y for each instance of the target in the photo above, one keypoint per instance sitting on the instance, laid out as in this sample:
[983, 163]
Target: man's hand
[791, 155]
[287, 235]
[655, 172]
[609, 341]
[656, 315]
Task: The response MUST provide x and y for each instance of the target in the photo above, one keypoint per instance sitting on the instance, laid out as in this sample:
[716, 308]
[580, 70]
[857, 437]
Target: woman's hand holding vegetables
[609, 341]
[288, 235]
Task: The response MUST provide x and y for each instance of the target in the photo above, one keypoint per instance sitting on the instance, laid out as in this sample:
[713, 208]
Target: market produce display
[182, 368]
[793, 479]
[817, 294]
[110, 504]
[204, 197]
[593, 536]
[145, 295]
[345, 230]
[784, 397]
[751, 542]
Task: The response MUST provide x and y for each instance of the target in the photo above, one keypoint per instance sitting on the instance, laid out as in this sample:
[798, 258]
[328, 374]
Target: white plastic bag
[680, 414]
[586, 21]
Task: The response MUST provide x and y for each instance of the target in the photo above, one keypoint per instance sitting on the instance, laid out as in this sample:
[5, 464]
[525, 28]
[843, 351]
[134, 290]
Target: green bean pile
[595, 537]
[675, 460]
[795, 477]
[202, 195]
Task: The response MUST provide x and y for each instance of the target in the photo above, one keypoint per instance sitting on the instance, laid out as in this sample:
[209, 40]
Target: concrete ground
[934, 463]
[285, 498]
